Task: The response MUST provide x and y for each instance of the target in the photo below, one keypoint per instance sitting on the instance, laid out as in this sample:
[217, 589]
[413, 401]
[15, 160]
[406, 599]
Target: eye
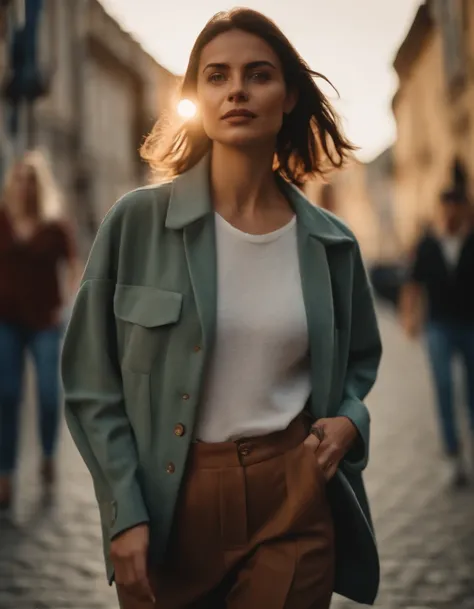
[260, 77]
[216, 77]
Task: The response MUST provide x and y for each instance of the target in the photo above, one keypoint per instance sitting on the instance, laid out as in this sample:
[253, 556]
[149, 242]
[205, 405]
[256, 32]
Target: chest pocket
[145, 318]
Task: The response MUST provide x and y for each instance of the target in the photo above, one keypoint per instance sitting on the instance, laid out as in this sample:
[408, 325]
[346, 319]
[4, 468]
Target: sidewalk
[52, 557]
[424, 530]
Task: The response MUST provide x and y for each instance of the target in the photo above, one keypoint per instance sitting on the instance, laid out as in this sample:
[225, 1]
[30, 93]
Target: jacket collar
[190, 200]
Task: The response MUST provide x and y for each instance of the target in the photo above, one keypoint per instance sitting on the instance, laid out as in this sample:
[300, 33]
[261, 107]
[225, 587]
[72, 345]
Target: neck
[242, 182]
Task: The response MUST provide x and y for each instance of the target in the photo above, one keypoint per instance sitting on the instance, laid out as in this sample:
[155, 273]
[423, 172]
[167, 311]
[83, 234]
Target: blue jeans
[446, 340]
[44, 347]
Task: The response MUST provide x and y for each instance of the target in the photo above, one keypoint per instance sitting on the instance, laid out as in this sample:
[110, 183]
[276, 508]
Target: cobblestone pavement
[50, 555]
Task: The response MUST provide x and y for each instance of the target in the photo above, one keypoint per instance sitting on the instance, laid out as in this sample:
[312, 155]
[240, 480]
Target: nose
[238, 97]
[237, 93]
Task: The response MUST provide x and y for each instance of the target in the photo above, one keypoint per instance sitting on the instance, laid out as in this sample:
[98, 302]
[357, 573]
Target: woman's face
[24, 189]
[241, 91]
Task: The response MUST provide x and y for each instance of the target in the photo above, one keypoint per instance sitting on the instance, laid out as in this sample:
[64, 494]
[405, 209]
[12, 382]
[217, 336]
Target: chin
[246, 139]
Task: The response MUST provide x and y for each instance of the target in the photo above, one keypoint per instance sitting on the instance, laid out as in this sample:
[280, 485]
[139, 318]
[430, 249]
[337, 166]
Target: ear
[290, 101]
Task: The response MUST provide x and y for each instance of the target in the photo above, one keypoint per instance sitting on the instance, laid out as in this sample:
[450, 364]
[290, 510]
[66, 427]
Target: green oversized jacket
[141, 333]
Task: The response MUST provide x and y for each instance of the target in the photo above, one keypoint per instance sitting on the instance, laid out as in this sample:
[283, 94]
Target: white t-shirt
[259, 375]
[451, 246]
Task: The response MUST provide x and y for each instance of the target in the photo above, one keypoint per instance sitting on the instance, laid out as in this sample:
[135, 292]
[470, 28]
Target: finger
[143, 587]
[118, 573]
[324, 456]
[315, 436]
[329, 465]
[123, 573]
[129, 577]
[330, 472]
[312, 442]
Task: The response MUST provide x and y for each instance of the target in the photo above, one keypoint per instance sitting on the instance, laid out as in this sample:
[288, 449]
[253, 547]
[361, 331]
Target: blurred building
[105, 93]
[434, 112]
[3, 36]
[363, 198]
[381, 190]
[5, 18]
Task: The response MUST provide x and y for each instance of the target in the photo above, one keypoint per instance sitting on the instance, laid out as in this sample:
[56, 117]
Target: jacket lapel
[190, 209]
[200, 248]
[316, 234]
[317, 294]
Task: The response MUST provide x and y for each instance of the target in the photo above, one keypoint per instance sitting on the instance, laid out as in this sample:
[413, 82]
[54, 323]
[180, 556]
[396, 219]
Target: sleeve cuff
[357, 457]
[127, 511]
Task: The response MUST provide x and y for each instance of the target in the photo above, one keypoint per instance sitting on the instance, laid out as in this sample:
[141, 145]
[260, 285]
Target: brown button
[185, 396]
[179, 430]
[244, 450]
[197, 348]
[170, 469]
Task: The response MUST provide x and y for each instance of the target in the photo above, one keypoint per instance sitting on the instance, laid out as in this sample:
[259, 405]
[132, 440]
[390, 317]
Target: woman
[220, 346]
[34, 241]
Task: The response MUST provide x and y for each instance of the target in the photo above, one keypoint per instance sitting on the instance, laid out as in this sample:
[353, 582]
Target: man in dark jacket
[443, 273]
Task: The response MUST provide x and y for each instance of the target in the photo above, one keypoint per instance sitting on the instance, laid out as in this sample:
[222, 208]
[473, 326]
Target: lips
[240, 113]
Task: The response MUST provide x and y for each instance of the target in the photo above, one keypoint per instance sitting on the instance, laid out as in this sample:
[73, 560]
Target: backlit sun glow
[186, 108]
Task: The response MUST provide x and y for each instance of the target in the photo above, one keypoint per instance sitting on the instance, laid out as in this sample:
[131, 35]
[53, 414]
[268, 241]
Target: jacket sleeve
[365, 351]
[94, 402]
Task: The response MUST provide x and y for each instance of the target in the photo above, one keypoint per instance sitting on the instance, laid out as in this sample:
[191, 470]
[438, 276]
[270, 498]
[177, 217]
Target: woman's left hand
[336, 436]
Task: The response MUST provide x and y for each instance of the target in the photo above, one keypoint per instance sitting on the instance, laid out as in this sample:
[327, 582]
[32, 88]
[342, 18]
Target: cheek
[209, 108]
[271, 105]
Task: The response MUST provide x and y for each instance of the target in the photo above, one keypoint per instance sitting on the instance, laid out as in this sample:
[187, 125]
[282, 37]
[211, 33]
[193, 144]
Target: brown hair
[310, 137]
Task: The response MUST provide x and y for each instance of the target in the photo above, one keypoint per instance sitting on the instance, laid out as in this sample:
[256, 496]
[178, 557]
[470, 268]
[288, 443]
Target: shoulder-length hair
[310, 141]
[50, 203]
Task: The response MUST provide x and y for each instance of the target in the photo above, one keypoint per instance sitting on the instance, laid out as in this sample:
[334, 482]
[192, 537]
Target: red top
[30, 292]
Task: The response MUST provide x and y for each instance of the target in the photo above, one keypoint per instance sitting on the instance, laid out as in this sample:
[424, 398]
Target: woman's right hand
[129, 554]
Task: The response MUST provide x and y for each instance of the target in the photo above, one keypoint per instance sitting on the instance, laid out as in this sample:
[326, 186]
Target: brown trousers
[253, 529]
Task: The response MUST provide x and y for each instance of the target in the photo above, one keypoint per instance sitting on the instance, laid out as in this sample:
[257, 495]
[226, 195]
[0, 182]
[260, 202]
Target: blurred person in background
[221, 346]
[35, 241]
[439, 297]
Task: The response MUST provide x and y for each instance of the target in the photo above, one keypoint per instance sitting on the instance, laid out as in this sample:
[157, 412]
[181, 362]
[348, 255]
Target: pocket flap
[145, 306]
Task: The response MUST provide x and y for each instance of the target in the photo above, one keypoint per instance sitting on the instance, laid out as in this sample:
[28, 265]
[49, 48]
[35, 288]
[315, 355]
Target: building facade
[386, 246]
[352, 202]
[7, 13]
[105, 93]
[434, 113]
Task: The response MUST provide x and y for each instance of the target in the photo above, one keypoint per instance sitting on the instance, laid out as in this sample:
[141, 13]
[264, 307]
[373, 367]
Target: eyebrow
[249, 66]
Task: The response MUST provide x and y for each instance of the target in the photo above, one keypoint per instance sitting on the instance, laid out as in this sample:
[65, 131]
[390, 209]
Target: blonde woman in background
[34, 243]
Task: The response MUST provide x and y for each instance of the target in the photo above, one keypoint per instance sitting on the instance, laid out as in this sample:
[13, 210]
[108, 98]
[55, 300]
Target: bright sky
[352, 42]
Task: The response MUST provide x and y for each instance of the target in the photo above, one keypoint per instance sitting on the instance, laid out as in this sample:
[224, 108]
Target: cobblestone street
[50, 556]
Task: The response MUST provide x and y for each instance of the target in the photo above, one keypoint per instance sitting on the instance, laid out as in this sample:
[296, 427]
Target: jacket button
[170, 468]
[179, 430]
[185, 396]
[244, 450]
